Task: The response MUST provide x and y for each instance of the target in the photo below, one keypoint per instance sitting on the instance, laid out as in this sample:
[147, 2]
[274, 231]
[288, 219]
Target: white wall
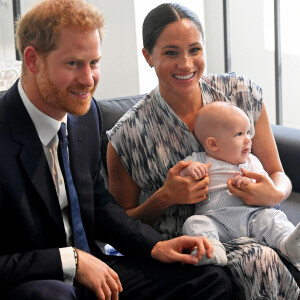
[7, 41]
[252, 51]
[248, 52]
[214, 39]
[7, 44]
[249, 55]
[119, 65]
[123, 68]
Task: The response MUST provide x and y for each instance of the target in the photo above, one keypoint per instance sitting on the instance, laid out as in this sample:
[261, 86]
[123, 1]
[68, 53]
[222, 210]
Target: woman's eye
[72, 63]
[195, 50]
[170, 53]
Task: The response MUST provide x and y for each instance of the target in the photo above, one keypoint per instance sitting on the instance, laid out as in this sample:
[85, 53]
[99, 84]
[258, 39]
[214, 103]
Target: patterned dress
[150, 139]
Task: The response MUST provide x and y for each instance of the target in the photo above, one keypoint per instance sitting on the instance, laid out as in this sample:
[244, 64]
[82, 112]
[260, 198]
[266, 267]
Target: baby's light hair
[212, 117]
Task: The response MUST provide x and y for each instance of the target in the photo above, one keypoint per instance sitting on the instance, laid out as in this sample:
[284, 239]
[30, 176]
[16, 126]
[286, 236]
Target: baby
[224, 131]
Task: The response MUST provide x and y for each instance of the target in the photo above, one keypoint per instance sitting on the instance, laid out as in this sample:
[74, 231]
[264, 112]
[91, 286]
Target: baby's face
[234, 141]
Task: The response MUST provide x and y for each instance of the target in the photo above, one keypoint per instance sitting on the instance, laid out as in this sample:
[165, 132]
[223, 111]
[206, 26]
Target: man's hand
[98, 277]
[179, 250]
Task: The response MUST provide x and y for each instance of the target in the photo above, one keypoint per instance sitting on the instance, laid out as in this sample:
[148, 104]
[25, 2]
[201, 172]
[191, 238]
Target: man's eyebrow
[77, 58]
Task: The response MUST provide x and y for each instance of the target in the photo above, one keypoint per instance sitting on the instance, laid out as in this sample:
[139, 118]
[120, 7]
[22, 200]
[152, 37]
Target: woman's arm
[265, 192]
[176, 190]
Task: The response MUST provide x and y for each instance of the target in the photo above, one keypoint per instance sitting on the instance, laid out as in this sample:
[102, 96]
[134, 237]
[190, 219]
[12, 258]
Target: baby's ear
[211, 144]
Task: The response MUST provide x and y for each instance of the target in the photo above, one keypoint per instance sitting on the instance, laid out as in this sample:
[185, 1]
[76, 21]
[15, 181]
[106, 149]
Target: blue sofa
[287, 139]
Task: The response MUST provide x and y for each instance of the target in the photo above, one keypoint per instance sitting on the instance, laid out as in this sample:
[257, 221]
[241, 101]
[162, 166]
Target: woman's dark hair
[161, 16]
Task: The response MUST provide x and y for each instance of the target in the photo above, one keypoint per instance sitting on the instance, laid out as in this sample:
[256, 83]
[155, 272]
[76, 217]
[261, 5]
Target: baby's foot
[219, 256]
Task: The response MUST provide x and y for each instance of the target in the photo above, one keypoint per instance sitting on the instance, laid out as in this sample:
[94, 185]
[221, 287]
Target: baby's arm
[196, 170]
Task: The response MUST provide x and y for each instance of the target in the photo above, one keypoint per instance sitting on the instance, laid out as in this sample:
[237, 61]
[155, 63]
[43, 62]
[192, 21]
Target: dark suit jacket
[31, 226]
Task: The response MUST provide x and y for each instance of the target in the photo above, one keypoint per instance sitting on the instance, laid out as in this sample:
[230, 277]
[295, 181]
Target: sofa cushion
[291, 207]
[112, 110]
[288, 143]
[287, 139]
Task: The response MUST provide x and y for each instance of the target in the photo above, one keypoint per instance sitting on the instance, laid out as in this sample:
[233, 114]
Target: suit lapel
[32, 154]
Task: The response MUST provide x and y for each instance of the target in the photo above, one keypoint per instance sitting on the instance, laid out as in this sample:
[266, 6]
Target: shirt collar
[46, 126]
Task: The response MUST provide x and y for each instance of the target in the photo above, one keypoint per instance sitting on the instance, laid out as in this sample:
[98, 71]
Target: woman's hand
[179, 190]
[265, 149]
[239, 179]
[262, 192]
[176, 190]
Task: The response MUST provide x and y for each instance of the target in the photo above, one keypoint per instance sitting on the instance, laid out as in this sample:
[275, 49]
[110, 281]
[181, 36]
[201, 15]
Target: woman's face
[178, 59]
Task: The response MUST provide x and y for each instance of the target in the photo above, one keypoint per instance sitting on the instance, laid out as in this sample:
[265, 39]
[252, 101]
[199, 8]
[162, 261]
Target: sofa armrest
[288, 143]
[2, 93]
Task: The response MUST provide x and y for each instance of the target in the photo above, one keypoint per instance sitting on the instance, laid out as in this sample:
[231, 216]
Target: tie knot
[62, 133]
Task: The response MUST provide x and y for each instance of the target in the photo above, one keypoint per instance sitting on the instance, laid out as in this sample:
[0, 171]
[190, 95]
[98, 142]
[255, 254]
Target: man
[60, 44]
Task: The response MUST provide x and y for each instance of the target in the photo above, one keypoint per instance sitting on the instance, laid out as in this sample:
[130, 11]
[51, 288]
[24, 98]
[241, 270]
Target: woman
[148, 143]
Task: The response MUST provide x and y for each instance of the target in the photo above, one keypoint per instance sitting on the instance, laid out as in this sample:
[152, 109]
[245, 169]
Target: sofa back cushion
[288, 143]
[112, 110]
[287, 139]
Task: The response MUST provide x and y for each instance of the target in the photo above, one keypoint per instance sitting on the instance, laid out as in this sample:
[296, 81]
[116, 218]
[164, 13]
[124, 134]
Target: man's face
[69, 74]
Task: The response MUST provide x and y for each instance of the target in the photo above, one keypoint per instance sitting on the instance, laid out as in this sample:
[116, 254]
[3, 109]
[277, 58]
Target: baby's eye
[239, 133]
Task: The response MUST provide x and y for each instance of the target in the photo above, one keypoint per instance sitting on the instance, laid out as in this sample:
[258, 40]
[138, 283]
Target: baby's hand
[239, 179]
[196, 170]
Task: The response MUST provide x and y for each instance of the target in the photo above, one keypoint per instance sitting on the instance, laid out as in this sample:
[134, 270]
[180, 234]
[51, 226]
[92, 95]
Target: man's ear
[147, 56]
[31, 57]
[211, 144]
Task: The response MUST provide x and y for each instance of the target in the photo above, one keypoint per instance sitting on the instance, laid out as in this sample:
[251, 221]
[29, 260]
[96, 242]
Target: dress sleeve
[118, 137]
[254, 165]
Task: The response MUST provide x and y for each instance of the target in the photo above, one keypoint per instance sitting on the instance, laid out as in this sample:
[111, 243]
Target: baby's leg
[273, 227]
[292, 245]
[199, 225]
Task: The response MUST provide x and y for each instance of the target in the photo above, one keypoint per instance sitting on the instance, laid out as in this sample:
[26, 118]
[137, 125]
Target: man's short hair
[41, 25]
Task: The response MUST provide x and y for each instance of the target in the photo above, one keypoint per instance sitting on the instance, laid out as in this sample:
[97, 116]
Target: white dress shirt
[47, 129]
